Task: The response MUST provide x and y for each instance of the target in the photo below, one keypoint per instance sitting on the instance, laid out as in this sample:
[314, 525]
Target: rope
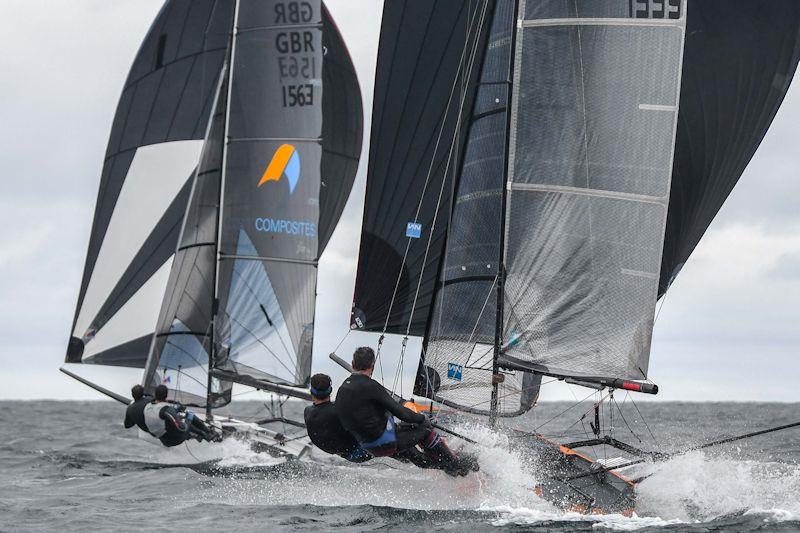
[430, 170]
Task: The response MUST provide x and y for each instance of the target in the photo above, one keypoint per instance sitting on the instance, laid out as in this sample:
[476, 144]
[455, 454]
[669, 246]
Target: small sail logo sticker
[285, 162]
[167, 380]
[414, 230]
[455, 371]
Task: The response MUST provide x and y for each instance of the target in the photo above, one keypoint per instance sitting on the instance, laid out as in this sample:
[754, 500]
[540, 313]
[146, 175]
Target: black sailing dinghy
[539, 172]
[232, 154]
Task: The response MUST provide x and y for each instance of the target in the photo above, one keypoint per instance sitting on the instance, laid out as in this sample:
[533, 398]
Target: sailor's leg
[359, 455]
[198, 428]
[417, 458]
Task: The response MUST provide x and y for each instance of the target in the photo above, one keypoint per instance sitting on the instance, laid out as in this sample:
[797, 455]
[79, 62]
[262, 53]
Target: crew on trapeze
[172, 424]
[134, 413]
[367, 411]
[326, 431]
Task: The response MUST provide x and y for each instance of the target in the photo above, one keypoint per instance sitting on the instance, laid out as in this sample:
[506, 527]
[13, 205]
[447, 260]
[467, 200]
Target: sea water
[71, 466]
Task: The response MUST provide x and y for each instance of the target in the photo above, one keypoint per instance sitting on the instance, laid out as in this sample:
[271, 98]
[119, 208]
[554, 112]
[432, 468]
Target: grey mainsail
[243, 287]
[593, 135]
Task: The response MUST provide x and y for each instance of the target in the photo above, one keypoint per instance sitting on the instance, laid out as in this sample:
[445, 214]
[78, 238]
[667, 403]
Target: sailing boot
[437, 449]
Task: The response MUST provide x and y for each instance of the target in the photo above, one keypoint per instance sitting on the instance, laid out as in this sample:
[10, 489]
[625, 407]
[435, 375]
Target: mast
[214, 299]
[497, 378]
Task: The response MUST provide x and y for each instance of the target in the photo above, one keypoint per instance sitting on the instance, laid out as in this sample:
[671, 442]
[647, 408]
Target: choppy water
[70, 466]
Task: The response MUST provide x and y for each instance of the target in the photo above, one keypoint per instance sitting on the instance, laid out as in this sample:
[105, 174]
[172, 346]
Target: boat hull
[601, 492]
[259, 438]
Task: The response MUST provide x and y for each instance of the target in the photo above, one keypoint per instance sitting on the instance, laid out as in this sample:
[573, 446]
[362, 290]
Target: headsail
[152, 152]
[181, 346]
[461, 333]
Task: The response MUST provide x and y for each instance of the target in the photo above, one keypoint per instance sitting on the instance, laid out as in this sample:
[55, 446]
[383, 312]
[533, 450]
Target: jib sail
[424, 89]
[460, 338]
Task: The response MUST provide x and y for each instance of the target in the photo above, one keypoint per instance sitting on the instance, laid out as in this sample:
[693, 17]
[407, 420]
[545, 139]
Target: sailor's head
[137, 392]
[321, 388]
[364, 360]
[161, 393]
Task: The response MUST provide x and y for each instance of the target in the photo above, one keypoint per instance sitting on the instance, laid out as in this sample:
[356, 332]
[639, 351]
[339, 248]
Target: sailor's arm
[403, 413]
[128, 420]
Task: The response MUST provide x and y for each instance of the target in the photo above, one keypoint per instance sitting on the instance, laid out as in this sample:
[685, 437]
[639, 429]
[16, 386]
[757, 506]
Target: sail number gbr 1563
[297, 63]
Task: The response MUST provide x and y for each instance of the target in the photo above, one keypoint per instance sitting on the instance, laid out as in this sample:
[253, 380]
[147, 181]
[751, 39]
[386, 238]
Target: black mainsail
[278, 160]
[615, 170]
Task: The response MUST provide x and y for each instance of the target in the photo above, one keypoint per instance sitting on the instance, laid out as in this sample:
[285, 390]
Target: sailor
[172, 425]
[323, 425]
[367, 411]
[134, 414]
[326, 431]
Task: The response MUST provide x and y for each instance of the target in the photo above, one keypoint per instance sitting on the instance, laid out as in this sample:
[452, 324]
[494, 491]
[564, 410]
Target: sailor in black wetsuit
[134, 414]
[326, 431]
[367, 411]
[323, 426]
[171, 425]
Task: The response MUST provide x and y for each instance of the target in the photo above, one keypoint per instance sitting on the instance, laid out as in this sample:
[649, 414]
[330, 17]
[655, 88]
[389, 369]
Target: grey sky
[728, 330]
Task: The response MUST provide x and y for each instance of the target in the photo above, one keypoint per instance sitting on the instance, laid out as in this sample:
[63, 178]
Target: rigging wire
[425, 185]
[624, 420]
[644, 421]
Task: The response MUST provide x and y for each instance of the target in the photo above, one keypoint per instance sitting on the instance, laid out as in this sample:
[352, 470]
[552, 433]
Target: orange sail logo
[285, 162]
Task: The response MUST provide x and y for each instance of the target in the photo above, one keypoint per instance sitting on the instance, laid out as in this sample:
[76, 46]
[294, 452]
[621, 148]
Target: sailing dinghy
[539, 172]
[232, 154]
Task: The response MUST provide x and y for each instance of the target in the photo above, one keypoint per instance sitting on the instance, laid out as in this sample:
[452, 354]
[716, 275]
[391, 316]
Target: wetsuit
[366, 409]
[164, 423]
[134, 414]
[326, 432]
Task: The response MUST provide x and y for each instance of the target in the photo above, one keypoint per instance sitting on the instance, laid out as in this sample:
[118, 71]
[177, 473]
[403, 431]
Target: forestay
[596, 91]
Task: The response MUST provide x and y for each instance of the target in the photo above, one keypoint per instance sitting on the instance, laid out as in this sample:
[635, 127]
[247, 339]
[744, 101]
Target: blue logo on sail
[414, 230]
[454, 371]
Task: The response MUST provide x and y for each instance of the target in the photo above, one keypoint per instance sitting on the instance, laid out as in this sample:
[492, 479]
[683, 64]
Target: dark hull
[601, 493]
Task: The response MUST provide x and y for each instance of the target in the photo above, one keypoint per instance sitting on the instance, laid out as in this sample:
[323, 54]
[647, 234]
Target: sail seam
[281, 27]
[562, 189]
[311, 262]
[275, 139]
[599, 22]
